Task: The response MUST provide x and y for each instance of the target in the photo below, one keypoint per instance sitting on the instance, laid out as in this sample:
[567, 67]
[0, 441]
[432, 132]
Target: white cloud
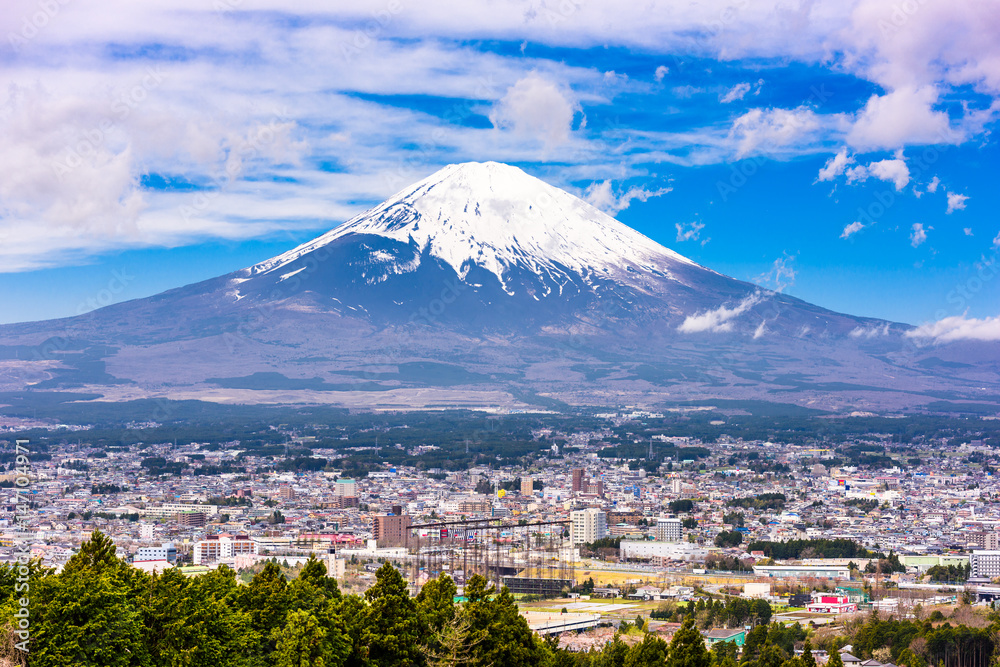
[967, 230]
[956, 202]
[894, 171]
[835, 166]
[688, 231]
[536, 108]
[871, 331]
[737, 92]
[899, 118]
[856, 174]
[760, 330]
[770, 130]
[917, 234]
[188, 126]
[602, 195]
[996, 241]
[958, 327]
[719, 320]
[851, 229]
[933, 185]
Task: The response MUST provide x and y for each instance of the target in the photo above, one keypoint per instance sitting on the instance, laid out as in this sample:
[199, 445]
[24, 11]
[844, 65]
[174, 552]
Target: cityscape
[506, 333]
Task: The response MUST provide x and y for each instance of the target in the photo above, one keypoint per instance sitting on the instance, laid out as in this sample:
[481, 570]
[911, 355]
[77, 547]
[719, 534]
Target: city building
[390, 530]
[736, 635]
[166, 552]
[668, 530]
[527, 486]
[286, 493]
[588, 525]
[578, 480]
[803, 571]
[987, 541]
[984, 564]
[345, 488]
[190, 519]
[661, 551]
[146, 531]
[831, 604]
[221, 547]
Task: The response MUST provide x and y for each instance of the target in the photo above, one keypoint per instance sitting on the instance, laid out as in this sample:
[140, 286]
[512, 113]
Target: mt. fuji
[484, 286]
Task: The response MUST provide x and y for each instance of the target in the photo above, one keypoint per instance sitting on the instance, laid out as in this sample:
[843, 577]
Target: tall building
[668, 530]
[190, 519]
[988, 541]
[345, 488]
[527, 486]
[390, 530]
[588, 525]
[595, 488]
[286, 493]
[578, 480]
[146, 531]
[984, 564]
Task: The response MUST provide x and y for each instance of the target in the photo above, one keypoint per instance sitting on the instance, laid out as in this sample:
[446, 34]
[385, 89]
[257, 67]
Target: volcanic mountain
[484, 286]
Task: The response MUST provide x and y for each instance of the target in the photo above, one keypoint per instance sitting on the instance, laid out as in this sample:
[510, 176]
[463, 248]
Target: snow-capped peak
[497, 216]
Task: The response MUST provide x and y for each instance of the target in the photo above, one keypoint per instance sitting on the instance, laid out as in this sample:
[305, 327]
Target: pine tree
[835, 660]
[301, 642]
[436, 602]
[687, 649]
[455, 644]
[807, 657]
[390, 624]
[315, 573]
[650, 651]
[508, 640]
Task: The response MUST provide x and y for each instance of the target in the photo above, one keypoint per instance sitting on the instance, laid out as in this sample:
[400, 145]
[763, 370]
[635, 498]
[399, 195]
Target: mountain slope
[478, 284]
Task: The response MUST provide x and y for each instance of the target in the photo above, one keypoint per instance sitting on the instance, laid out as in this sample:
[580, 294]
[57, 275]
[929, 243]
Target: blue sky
[842, 152]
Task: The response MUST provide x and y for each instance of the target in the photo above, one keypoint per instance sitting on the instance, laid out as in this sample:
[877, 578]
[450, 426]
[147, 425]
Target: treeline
[762, 501]
[818, 548]
[921, 643]
[949, 572]
[731, 613]
[100, 611]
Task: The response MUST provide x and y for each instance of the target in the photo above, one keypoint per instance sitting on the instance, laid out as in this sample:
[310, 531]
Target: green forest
[99, 611]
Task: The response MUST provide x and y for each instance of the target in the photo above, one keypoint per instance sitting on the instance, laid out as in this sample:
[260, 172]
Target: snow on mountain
[497, 217]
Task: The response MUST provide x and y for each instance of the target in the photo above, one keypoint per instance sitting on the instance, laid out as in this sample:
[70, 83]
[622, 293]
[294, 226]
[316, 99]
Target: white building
[588, 525]
[984, 564]
[668, 530]
[166, 552]
[146, 531]
[222, 547]
[346, 488]
[646, 550]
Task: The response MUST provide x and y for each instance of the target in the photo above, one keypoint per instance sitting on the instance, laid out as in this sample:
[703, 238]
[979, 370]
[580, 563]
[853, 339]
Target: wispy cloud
[602, 195]
[852, 229]
[872, 331]
[917, 234]
[737, 92]
[958, 327]
[780, 276]
[688, 231]
[721, 319]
